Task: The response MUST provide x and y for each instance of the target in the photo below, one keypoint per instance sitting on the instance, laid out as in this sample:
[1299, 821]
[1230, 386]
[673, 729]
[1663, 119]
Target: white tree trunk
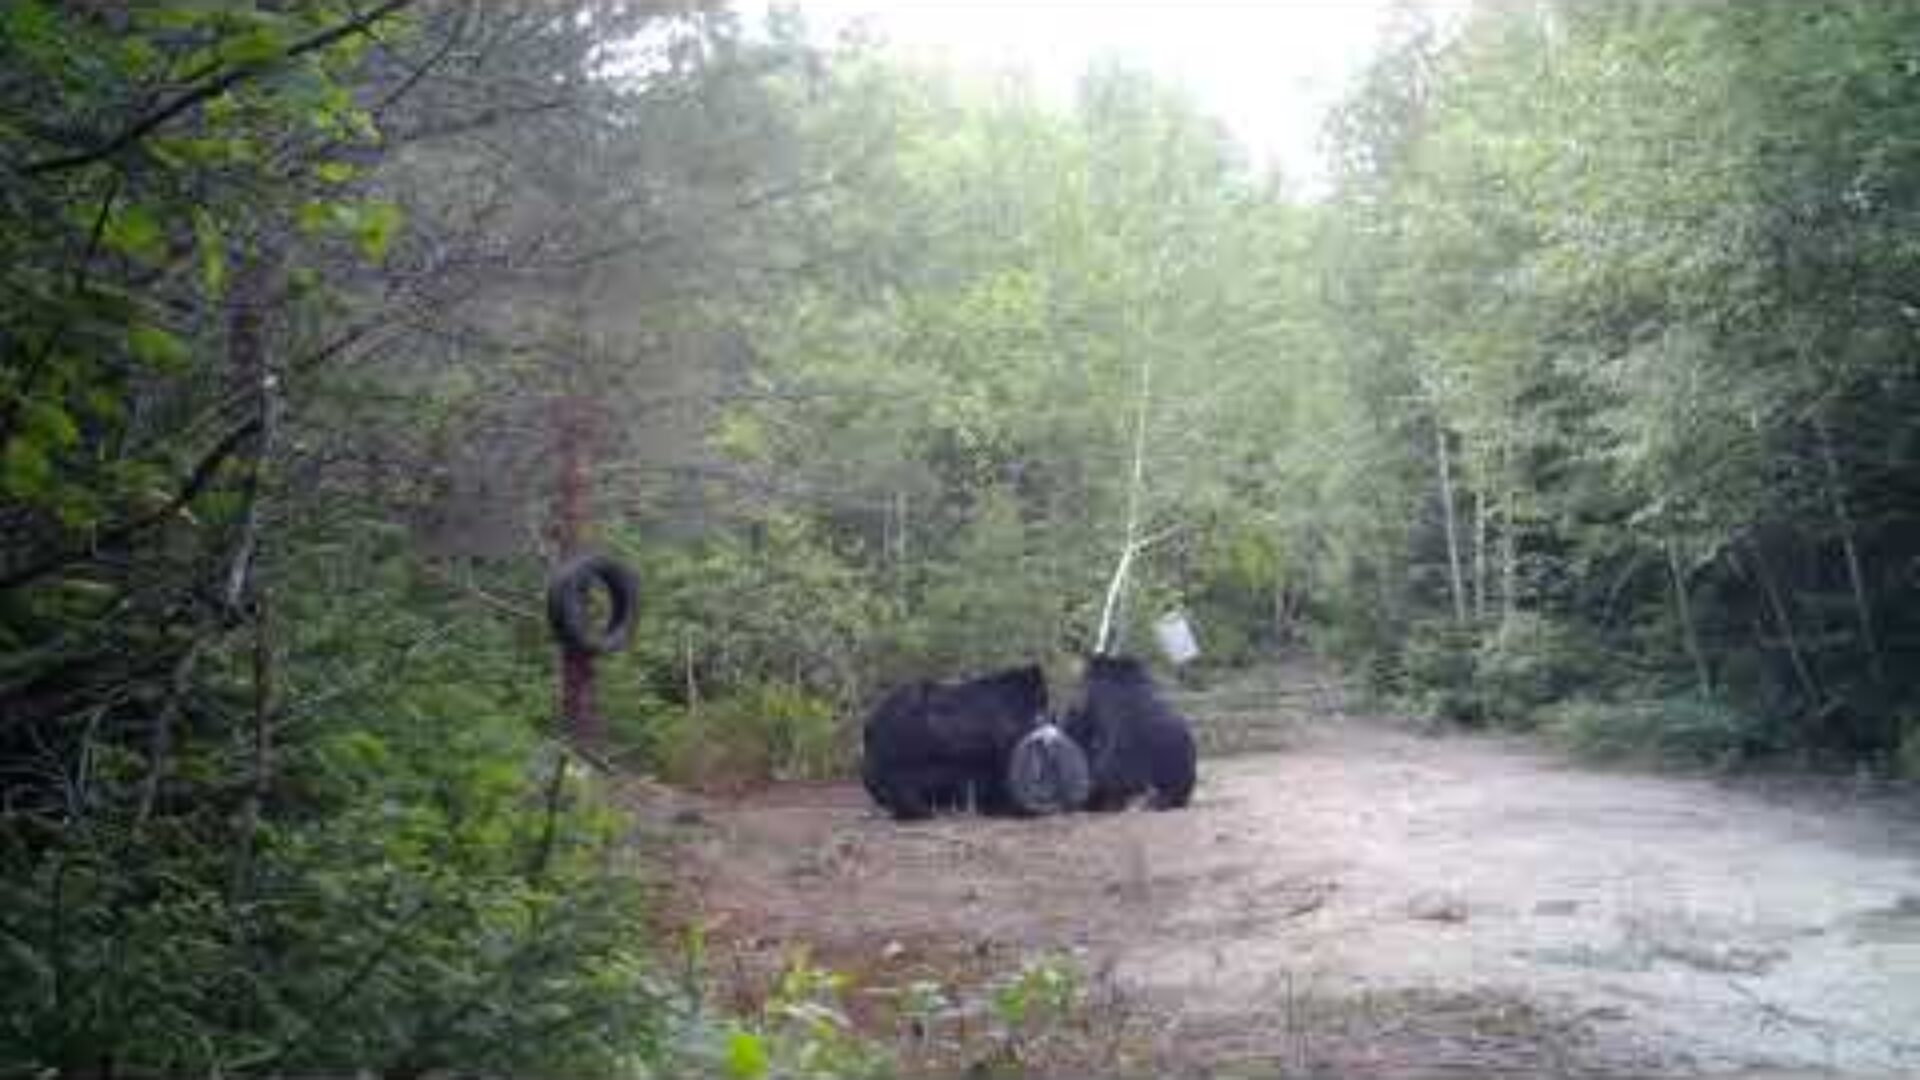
[1135, 485]
[1862, 610]
[1455, 579]
[1480, 554]
[1684, 607]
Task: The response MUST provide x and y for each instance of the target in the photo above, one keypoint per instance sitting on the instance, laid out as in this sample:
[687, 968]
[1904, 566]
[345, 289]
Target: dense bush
[1438, 670]
[1529, 662]
[754, 735]
[418, 890]
[1681, 730]
[1906, 760]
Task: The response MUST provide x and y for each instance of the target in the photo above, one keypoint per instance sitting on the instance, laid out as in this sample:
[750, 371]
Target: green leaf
[335, 172]
[31, 28]
[261, 45]
[207, 153]
[212, 245]
[140, 57]
[77, 508]
[362, 750]
[372, 223]
[103, 403]
[87, 590]
[135, 232]
[50, 425]
[314, 216]
[179, 16]
[25, 472]
[158, 348]
[378, 224]
[222, 109]
[746, 1056]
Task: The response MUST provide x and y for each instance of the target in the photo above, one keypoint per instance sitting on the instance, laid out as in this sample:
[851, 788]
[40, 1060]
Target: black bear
[1136, 743]
[932, 745]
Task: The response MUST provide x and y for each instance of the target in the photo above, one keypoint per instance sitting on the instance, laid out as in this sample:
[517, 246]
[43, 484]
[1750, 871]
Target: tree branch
[190, 489]
[147, 124]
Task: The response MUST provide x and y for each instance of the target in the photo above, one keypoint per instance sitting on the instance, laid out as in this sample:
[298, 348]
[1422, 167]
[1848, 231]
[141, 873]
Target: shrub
[768, 731]
[1439, 672]
[1906, 760]
[412, 892]
[802, 1030]
[1528, 662]
[1685, 730]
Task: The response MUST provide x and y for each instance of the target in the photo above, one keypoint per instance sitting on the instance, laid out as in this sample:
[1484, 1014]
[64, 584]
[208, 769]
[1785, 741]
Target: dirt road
[1372, 902]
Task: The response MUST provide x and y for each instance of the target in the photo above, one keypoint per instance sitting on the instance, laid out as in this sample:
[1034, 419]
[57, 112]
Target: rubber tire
[1047, 773]
[568, 590]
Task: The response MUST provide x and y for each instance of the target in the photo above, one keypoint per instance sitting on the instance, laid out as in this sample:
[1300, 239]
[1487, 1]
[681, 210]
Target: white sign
[1176, 637]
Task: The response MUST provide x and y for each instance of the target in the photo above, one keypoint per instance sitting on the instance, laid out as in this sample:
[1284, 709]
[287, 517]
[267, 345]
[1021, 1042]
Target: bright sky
[1271, 69]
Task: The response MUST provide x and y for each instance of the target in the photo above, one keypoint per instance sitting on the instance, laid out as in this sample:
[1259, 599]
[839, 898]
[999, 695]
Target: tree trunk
[1862, 609]
[1684, 606]
[1106, 636]
[1509, 559]
[1480, 554]
[693, 683]
[900, 529]
[1455, 581]
[1777, 604]
[266, 702]
[245, 595]
[571, 515]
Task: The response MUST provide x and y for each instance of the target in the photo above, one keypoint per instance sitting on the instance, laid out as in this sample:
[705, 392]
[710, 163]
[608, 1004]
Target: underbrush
[767, 732]
[913, 1012]
[1683, 730]
[387, 867]
[1906, 761]
[1509, 674]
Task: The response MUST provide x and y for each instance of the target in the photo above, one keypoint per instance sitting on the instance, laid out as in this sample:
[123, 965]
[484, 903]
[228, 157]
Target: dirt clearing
[1368, 901]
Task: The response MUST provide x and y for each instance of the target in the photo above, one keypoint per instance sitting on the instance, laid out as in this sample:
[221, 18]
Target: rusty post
[572, 514]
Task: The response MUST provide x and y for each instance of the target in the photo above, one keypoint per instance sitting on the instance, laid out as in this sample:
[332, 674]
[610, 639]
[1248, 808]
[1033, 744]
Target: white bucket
[1176, 637]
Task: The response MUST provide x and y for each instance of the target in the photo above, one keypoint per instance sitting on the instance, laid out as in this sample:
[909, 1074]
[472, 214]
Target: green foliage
[87, 230]
[1681, 730]
[964, 394]
[1044, 993]
[988, 603]
[753, 735]
[1584, 398]
[1031, 1010]
[371, 224]
[280, 794]
[802, 1031]
[780, 600]
[1617, 305]
[421, 894]
[1438, 668]
[1906, 761]
[1498, 422]
[1529, 662]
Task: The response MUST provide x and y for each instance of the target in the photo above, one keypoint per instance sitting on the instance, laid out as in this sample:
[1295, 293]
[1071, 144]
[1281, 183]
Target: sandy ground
[1369, 901]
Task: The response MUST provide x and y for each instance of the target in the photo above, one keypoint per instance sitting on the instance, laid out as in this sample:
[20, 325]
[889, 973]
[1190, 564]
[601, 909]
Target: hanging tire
[1047, 773]
[569, 591]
